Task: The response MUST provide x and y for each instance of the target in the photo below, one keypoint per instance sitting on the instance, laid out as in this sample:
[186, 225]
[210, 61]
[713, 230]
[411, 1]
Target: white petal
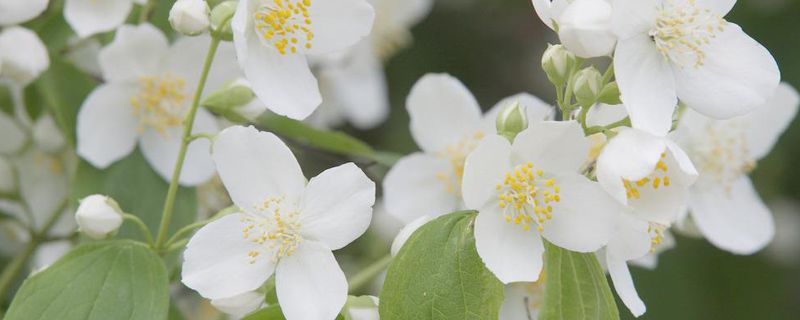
[24, 55]
[508, 251]
[310, 284]
[484, 168]
[646, 83]
[337, 206]
[630, 238]
[338, 24]
[766, 124]
[442, 112]
[161, 151]
[549, 10]
[412, 188]
[738, 75]
[88, 17]
[521, 300]
[633, 18]
[406, 233]
[536, 109]
[136, 51]
[734, 219]
[189, 66]
[254, 165]
[13, 136]
[556, 146]
[631, 155]
[216, 262]
[623, 284]
[43, 187]
[603, 114]
[107, 127]
[582, 220]
[585, 28]
[239, 305]
[15, 11]
[720, 7]
[650, 261]
[48, 253]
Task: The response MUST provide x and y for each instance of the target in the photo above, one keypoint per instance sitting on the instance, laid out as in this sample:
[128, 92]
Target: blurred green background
[494, 47]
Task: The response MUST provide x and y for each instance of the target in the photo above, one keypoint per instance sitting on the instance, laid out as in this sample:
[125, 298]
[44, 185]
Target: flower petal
[310, 275]
[13, 136]
[136, 51]
[511, 253]
[189, 66]
[633, 18]
[630, 238]
[647, 84]
[484, 168]
[239, 305]
[720, 7]
[631, 155]
[766, 124]
[412, 188]
[216, 263]
[556, 146]
[161, 151]
[623, 284]
[254, 165]
[406, 233]
[442, 112]
[549, 10]
[583, 219]
[338, 24]
[734, 219]
[107, 128]
[14, 12]
[738, 75]
[88, 17]
[337, 206]
[24, 56]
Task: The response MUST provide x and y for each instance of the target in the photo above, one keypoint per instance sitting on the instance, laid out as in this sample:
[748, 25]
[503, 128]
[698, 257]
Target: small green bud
[557, 62]
[232, 101]
[610, 94]
[511, 121]
[221, 17]
[586, 86]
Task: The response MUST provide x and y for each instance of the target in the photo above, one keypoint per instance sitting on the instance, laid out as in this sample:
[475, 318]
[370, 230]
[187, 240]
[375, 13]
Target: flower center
[457, 155]
[160, 102]
[273, 227]
[723, 156]
[683, 30]
[656, 232]
[527, 196]
[284, 24]
[659, 177]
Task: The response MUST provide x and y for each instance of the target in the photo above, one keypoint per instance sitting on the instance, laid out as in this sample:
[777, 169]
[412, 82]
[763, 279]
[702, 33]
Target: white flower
[684, 49]
[406, 233]
[24, 57]
[285, 226]
[98, 216]
[88, 17]
[190, 17]
[83, 54]
[47, 135]
[651, 176]
[274, 37]
[584, 26]
[393, 22]
[48, 253]
[18, 11]
[522, 300]
[446, 124]
[240, 305]
[149, 87]
[723, 204]
[532, 189]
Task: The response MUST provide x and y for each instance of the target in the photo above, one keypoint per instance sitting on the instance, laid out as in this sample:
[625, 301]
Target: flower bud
[221, 19]
[610, 94]
[98, 216]
[511, 121]
[557, 63]
[585, 28]
[190, 17]
[47, 136]
[23, 54]
[235, 101]
[8, 180]
[587, 85]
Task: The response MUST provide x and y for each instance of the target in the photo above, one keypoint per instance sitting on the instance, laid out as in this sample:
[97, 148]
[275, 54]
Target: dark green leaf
[439, 275]
[101, 280]
[575, 287]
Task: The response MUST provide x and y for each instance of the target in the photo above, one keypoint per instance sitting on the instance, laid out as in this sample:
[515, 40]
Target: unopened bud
[190, 17]
[585, 28]
[24, 55]
[221, 17]
[587, 85]
[98, 216]
[235, 101]
[610, 94]
[557, 62]
[511, 121]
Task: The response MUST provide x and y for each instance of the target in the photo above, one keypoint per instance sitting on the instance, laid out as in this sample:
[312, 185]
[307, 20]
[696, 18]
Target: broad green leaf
[138, 190]
[62, 89]
[575, 287]
[439, 275]
[269, 313]
[97, 281]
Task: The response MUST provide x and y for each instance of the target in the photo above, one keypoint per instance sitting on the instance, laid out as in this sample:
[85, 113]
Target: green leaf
[100, 280]
[439, 275]
[138, 190]
[269, 313]
[575, 287]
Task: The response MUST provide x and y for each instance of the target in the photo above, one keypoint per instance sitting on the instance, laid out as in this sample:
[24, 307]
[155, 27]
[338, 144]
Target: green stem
[188, 123]
[608, 74]
[598, 129]
[368, 273]
[147, 10]
[202, 135]
[142, 227]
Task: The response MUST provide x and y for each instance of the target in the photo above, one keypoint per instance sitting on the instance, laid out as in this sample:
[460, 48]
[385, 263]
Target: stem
[371, 271]
[202, 135]
[597, 129]
[142, 227]
[147, 10]
[608, 74]
[188, 123]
